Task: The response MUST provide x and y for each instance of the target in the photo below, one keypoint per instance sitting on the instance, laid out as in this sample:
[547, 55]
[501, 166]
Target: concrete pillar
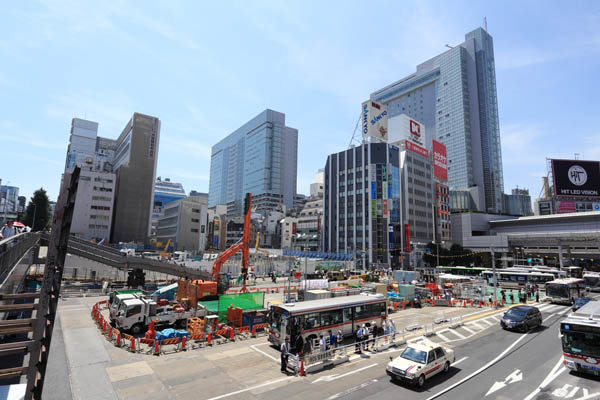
[504, 260]
[560, 255]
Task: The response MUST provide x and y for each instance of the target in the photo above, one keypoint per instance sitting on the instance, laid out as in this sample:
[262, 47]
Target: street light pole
[494, 273]
[437, 244]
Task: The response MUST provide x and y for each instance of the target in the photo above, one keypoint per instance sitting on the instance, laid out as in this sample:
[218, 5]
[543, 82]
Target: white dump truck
[136, 314]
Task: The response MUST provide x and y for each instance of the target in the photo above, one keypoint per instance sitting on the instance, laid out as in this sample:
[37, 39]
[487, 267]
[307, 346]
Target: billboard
[417, 149]
[440, 162]
[576, 178]
[374, 120]
[403, 127]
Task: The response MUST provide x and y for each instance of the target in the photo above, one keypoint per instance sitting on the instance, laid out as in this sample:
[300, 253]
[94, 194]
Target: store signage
[374, 120]
[416, 149]
[440, 161]
[576, 178]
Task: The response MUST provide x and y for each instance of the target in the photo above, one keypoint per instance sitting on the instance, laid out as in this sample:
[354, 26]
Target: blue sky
[205, 68]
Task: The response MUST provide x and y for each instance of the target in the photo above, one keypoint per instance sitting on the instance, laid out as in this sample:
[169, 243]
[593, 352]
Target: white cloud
[11, 132]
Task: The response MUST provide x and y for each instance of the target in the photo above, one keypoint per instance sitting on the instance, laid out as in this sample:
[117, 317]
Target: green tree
[38, 208]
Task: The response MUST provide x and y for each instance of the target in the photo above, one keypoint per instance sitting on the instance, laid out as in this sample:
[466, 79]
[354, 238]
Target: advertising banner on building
[417, 149]
[385, 208]
[390, 236]
[373, 209]
[373, 190]
[403, 127]
[576, 178]
[384, 190]
[407, 238]
[566, 207]
[374, 120]
[440, 162]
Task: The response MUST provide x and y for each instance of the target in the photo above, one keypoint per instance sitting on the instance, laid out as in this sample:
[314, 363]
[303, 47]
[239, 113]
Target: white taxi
[420, 361]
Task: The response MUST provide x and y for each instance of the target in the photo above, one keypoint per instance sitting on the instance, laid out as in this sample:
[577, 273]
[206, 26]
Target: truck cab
[136, 314]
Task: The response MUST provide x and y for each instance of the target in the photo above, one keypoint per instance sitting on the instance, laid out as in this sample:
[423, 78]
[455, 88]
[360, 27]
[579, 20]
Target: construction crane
[257, 249]
[243, 244]
[165, 253]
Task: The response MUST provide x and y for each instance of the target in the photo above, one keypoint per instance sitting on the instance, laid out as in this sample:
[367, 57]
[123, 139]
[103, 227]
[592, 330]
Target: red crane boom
[243, 244]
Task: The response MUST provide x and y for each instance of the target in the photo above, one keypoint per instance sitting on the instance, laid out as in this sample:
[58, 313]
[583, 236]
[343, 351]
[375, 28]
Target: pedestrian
[299, 343]
[322, 344]
[386, 330]
[511, 297]
[339, 339]
[332, 340]
[285, 353]
[366, 333]
[393, 329]
[358, 337]
[537, 296]
[8, 230]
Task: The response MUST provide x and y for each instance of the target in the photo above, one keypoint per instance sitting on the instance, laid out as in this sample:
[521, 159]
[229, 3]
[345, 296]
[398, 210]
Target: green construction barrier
[245, 301]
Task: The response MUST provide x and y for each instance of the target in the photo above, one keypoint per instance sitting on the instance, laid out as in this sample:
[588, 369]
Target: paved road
[523, 362]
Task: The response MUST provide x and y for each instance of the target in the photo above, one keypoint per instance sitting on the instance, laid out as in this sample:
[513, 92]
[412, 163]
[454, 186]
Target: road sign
[516, 376]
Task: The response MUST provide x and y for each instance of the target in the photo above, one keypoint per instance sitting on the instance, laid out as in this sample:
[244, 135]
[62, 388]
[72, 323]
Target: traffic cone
[253, 331]
[231, 335]
[183, 343]
[110, 333]
[118, 339]
[209, 339]
[133, 345]
[301, 372]
[156, 348]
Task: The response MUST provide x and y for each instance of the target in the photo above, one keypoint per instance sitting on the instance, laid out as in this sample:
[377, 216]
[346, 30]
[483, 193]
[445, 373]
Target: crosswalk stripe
[475, 324]
[454, 332]
[441, 336]
[472, 332]
[487, 322]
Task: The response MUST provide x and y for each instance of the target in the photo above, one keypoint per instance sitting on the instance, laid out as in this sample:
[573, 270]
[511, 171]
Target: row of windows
[105, 208]
[324, 319]
[102, 217]
[101, 198]
[92, 226]
[102, 189]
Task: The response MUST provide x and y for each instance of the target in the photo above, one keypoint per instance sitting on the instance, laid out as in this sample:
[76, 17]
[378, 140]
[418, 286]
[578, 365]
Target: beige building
[184, 222]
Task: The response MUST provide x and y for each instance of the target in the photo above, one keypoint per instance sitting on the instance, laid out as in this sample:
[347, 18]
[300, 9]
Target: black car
[580, 302]
[521, 318]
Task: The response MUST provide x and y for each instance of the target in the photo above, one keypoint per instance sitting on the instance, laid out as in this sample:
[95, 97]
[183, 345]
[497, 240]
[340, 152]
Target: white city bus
[515, 279]
[592, 281]
[580, 336]
[317, 317]
[565, 291]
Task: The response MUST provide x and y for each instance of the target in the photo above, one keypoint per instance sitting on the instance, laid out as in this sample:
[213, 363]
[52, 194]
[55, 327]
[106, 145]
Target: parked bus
[565, 291]
[316, 317]
[580, 337]
[514, 279]
[459, 270]
[592, 281]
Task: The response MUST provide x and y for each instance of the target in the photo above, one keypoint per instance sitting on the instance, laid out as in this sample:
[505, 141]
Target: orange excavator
[243, 244]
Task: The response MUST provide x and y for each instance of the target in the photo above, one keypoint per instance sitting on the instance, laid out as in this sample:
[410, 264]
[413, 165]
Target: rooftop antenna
[485, 23]
[355, 129]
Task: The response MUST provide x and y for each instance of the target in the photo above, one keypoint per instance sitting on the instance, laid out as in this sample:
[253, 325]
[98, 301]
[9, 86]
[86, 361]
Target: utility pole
[494, 273]
[437, 244]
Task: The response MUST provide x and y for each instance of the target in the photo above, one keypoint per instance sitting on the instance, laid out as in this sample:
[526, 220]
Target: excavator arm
[242, 245]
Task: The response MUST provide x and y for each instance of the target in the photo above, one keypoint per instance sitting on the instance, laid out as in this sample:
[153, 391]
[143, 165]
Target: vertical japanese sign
[385, 208]
[374, 120]
[390, 236]
[407, 238]
[440, 162]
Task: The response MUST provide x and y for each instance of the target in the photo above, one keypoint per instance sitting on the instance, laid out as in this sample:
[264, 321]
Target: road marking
[487, 322]
[472, 332]
[441, 336]
[516, 376]
[486, 366]
[252, 388]
[459, 361]
[263, 353]
[458, 334]
[554, 373]
[475, 324]
[495, 317]
[352, 389]
[329, 378]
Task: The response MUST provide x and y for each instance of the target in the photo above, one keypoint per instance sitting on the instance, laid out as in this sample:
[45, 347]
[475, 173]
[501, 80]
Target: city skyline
[317, 78]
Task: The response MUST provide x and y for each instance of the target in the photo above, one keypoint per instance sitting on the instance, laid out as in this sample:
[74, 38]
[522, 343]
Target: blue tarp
[170, 333]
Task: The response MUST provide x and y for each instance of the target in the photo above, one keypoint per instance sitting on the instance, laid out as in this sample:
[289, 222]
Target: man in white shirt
[8, 230]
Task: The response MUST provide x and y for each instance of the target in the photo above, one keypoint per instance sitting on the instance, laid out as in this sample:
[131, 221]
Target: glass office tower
[261, 158]
[454, 96]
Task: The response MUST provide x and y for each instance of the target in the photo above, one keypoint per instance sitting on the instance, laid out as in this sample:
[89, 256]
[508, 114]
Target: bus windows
[331, 317]
[312, 321]
[347, 314]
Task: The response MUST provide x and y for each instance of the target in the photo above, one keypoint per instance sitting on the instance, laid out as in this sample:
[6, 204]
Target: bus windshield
[591, 280]
[557, 291]
[276, 318]
[582, 343]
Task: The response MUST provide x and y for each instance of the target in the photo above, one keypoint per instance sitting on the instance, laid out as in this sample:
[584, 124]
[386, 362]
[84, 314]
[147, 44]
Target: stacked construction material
[195, 326]
[234, 316]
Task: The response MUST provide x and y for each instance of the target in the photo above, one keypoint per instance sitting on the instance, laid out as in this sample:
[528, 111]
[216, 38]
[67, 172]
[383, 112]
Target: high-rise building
[114, 197]
[184, 223]
[9, 199]
[134, 162]
[518, 203]
[165, 192]
[94, 201]
[362, 204]
[454, 96]
[261, 158]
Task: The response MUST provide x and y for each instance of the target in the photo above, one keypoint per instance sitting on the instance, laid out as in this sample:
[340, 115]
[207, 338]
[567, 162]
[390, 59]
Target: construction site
[192, 333]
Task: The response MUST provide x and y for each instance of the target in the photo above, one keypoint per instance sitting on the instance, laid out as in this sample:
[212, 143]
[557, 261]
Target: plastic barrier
[440, 317]
[455, 322]
[429, 330]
